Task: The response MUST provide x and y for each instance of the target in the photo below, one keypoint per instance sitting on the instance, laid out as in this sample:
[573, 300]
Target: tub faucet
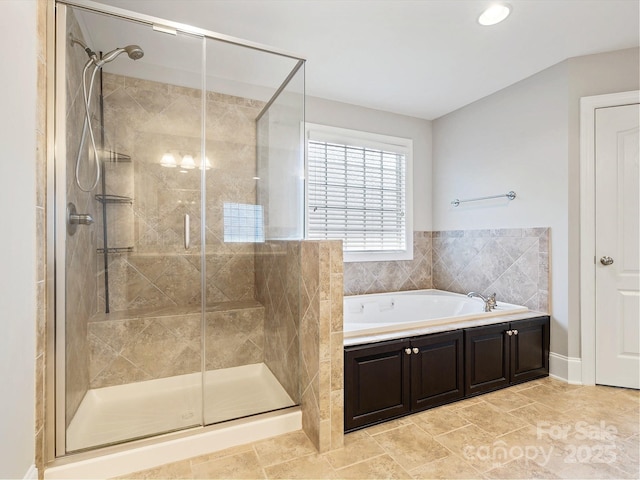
[489, 302]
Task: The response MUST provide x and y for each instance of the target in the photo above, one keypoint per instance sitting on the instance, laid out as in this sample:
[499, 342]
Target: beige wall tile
[375, 277]
[513, 263]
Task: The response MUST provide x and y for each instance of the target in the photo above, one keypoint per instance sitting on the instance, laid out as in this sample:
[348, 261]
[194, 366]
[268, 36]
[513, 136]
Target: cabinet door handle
[416, 350]
[407, 351]
[515, 332]
[509, 332]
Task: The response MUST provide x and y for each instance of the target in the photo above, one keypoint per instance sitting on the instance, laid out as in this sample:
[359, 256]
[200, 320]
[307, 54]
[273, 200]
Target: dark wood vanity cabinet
[529, 349]
[486, 365]
[506, 353]
[436, 369]
[390, 379]
[377, 384]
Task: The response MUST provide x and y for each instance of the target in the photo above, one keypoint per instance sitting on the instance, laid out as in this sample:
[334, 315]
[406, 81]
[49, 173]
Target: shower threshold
[120, 413]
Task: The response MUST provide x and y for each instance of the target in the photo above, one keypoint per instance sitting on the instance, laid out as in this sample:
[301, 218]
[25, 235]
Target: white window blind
[357, 193]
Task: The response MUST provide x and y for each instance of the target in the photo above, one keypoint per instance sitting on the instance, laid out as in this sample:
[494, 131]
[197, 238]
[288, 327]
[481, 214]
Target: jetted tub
[367, 315]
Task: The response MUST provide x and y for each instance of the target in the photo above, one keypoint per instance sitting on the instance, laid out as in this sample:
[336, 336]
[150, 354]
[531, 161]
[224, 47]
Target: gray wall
[336, 114]
[515, 139]
[18, 240]
[526, 138]
[611, 72]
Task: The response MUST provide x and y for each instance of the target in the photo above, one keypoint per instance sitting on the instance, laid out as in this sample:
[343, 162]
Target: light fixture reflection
[188, 163]
[206, 165]
[168, 160]
[494, 14]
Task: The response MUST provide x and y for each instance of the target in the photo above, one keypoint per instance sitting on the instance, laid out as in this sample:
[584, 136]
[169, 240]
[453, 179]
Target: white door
[617, 246]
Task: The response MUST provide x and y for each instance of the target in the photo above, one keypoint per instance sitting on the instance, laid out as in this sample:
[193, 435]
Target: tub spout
[489, 302]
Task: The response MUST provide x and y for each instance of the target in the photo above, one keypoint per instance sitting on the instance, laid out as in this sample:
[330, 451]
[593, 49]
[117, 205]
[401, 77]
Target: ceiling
[422, 58]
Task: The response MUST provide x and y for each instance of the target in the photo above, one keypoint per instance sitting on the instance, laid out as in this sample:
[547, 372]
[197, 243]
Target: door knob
[606, 260]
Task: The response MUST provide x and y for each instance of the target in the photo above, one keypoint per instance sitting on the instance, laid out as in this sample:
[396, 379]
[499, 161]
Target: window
[243, 223]
[358, 192]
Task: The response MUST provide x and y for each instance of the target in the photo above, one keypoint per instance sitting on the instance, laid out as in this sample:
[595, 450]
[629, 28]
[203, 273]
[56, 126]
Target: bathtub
[397, 313]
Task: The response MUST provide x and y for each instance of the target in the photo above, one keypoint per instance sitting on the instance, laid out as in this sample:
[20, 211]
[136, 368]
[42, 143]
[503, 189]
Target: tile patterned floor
[540, 429]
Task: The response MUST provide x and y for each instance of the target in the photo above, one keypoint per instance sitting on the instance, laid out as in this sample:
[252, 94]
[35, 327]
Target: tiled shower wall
[126, 348]
[301, 287]
[155, 289]
[42, 355]
[278, 279]
[81, 247]
[512, 262]
[145, 119]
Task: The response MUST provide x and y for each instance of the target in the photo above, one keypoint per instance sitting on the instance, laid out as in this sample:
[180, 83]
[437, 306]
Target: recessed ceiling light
[494, 14]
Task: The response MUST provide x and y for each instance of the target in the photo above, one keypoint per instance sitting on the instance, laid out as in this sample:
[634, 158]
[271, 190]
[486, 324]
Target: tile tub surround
[525, 431]
[361, 278]
[513, 263]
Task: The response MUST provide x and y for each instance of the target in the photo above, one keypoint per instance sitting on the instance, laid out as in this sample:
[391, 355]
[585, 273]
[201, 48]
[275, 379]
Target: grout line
[384, 452]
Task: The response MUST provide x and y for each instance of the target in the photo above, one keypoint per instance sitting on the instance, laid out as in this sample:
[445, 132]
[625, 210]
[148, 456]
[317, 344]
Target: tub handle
[407, 351]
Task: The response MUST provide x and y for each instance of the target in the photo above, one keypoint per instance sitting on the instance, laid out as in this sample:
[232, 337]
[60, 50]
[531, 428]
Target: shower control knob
[74, 219]
[416, 350]
[407, 351]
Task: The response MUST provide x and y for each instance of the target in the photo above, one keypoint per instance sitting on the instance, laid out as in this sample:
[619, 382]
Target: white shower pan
[114, 414]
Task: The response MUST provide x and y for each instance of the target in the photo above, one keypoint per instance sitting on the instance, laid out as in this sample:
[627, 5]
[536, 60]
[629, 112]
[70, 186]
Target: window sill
[349, 257]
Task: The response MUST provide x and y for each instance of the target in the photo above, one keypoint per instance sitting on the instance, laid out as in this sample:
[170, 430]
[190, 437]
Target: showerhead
[134, 52]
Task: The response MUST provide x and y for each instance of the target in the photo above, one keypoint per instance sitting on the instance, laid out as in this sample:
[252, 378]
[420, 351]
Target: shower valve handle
[81, 219]
[74, 219]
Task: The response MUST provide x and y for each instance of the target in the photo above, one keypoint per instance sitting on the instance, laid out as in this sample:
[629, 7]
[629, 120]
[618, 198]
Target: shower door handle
[186, 231]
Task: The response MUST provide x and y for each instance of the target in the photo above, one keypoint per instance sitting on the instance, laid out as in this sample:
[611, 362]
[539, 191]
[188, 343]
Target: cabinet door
[529, 349]
[486, 358]
[376, 383]
[436, 369]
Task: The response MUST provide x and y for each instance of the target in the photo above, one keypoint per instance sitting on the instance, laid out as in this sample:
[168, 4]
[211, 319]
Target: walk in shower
[179, 184]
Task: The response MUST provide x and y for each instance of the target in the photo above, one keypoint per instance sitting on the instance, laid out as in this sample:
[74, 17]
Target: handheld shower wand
[135, 53]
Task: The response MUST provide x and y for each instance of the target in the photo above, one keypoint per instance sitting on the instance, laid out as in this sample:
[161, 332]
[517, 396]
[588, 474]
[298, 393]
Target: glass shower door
[132, 303]
[253, 202]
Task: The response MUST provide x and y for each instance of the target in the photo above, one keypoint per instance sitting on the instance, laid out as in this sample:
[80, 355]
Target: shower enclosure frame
[55, 397]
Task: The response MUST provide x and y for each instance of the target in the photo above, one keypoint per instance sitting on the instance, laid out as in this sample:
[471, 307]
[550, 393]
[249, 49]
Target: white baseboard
[568, 369]
[32, 473]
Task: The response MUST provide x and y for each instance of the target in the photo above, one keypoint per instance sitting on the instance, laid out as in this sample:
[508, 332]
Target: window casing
[359, 191]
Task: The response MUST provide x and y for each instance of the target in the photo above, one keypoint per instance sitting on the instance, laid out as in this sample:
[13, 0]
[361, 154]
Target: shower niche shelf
[116, 250]
[114, 199]
[118, 161]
